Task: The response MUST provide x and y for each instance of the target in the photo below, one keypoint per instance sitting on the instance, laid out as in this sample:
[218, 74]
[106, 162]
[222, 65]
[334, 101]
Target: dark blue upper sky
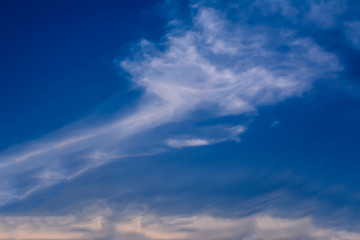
[230, 110]
[58, 59]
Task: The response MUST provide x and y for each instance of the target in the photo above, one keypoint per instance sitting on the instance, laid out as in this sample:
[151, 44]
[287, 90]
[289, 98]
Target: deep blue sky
[228, 109]
[57, 59]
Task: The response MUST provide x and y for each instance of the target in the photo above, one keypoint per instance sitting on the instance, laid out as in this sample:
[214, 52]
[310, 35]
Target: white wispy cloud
[214, 65]
[210, 135]
[229, 66]
[192, 142]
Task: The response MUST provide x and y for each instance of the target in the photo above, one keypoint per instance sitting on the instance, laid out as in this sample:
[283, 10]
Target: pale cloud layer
[105, 224]
[214, 65]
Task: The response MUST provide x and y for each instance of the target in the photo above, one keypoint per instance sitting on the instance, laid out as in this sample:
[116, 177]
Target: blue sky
[180, 120]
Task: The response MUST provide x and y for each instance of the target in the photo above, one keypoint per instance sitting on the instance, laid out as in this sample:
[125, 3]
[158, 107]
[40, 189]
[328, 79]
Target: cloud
[325, 13]
[193, 142]
[275, 123]
[215, 65]
[229, 66]
[352, 33]
[262, 226]
[210, 135]
[107, 224]
[271, 7]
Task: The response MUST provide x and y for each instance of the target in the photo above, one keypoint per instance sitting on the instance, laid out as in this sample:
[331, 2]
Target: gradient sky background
[208, 120]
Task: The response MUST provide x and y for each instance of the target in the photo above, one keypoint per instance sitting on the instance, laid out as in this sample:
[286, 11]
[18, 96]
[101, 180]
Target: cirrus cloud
[214, 65]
